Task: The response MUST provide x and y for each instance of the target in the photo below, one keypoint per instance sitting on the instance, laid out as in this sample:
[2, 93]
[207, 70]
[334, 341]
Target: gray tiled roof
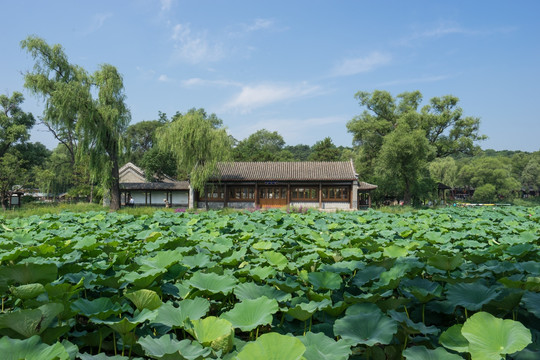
[366, 186]
[178, 185]
[294, 171]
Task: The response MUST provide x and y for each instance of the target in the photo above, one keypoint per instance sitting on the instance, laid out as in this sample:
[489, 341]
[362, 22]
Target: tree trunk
[3, 200]
[407, 193]
[115, 185]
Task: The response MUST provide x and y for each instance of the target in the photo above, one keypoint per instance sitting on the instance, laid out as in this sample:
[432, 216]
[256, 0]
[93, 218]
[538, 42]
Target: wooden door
[273, 196]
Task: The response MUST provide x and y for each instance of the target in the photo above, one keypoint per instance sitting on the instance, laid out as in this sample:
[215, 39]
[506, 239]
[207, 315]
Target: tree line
[403, 147]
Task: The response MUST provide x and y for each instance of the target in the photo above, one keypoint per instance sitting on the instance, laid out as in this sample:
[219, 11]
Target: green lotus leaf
[410, 326]
[422, 289]
[161, 347]
[250, 290]
[212, 332]
[28, 291]
[31, 322]
[262, 245]
[394, 251]
[213, 283]
[290, 285]
[29, 273]
[100, 308]
[472, 296]
[276, 259]
[453, 339]
[103, 356]
[366, 328]
[144, 279]
[366, 275]
[363, 308]
[532, 303]
[304, 310]
[122, 326]
[321, 347]
[145, 299]
[492, 338]
[260, 273]
[445, 262]
[325, 280]
[199, 260]
[249, 314]
[31, 349]
[422, 353]
[174, 317]
[273, 346]
[85, 243]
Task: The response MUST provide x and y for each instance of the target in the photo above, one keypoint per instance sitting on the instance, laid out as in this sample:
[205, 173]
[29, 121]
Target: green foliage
[89, 127]
[262, 145]
[395, 140]
[197, 145]
[324, 150]
[271, 284]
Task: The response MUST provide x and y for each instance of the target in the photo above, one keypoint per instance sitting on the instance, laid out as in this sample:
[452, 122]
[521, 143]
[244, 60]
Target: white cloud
[164, 78]
[194, 48]
[450, 28]
[166, 5]
[259, 24]
[98, 20]
[361, 64]
[202, 82]
[251, 97]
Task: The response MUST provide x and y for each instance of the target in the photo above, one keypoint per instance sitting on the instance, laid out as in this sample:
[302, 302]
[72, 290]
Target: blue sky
[294, 66]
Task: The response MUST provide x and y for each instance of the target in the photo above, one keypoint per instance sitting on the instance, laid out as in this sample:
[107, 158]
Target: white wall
[138, 197]
[179, 198]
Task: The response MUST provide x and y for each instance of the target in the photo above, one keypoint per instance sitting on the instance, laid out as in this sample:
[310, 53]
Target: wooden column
[288, 194]
[256, 194]
[351, 196]
[225, 196]
[320, 195]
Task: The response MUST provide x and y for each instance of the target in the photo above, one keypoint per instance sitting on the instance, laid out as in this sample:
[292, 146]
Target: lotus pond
[454, 283]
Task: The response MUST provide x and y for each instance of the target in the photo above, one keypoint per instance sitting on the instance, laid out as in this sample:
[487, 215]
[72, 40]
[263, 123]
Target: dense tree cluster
[403, 147]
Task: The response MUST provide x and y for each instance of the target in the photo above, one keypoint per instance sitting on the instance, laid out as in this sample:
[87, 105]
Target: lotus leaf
[212, 332]
[472, 296]
[31, 349]
[366, 275]
[100, 308]
[325, 280]
[321, 347]
[29, 273]
[422, 353]
[273, 346]
[422, 289]
[197, 261]
[276, 259]
[453, 339]
[28, 291]
[31, 322]
[250, 290]
[145, 299]
[445, 262]
[366, 328]
[166, 345]
[394, 251]
[173, 317]
[492, 338]
[249, 314]
[532, 303]
[304, 310]
[212, 283]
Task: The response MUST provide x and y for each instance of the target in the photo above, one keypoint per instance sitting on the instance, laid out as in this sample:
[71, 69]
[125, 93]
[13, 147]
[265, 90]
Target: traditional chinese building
[322, 185]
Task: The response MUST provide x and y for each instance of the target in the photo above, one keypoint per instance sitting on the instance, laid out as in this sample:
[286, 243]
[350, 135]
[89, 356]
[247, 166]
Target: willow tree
[89, 127]
[198, 144]
[101, 128]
